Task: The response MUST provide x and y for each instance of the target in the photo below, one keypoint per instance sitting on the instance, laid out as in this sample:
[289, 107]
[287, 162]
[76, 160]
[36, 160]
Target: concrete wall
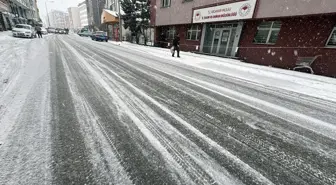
[282, 8]
[298, 37]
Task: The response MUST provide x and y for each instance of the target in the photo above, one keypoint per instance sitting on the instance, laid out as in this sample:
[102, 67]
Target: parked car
[100, 36]
[51, 30]
[85, 33]
[44, 31]
[24, 30]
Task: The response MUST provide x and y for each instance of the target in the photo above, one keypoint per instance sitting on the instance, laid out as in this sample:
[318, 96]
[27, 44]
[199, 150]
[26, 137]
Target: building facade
[83, 14]
[14, 12]
[74, 18]
[94, 10]
[59, 19]
[266, 32]
[112, 5]
[4, 20]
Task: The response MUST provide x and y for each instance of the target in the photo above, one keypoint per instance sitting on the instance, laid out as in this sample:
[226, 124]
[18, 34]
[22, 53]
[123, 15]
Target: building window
[332, 38]
[268, 32]
[171, 32]
[165, 3]
[194, 32]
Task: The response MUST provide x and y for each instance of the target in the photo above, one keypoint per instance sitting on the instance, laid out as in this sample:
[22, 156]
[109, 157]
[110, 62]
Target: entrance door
[220, 41]
[216, 40]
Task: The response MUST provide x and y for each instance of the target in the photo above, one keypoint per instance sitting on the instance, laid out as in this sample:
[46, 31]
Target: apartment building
[59, 19]
[18, 12]
[74, 18]
[83, 14]
[4, 20]
[266, 32]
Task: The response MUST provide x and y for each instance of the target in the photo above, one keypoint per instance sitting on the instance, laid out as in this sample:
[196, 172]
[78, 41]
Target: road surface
[75, 111]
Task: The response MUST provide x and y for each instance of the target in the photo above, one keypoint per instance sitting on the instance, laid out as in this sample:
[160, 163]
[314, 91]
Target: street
[76, 111]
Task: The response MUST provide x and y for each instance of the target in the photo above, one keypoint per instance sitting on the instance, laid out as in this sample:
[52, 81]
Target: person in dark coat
[176, 44]
[38, 31]
[162, 40]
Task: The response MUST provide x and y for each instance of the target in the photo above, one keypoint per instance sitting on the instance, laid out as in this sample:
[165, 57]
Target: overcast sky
[56, 5]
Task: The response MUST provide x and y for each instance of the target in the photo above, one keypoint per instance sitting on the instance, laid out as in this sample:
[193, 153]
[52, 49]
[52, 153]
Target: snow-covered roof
[114, 13]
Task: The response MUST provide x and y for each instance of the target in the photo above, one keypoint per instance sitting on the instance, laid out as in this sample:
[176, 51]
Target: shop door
[220, 41]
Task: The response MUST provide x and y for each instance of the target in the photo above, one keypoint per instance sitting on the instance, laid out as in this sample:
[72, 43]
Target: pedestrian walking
[176, 45]
[38, 31]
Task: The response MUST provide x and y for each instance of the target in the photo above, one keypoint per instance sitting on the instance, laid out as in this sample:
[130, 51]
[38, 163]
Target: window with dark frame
[332, 38]
[171, 32]
[268, 32]
[194, 32]
[165, 3]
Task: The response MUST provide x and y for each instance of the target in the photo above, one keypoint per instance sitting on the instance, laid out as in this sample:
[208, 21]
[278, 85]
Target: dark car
[100, 36]
[62, 31]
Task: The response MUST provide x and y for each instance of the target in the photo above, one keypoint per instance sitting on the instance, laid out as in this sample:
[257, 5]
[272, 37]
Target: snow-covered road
[75, 111]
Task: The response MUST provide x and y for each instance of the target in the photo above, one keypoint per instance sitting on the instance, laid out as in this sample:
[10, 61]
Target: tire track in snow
[182, 150]
[264, 147]
[318, 108]
[70, 161]
[104, 154]
[297, 165]
[178, 154]
[256, 176]
[133, 147]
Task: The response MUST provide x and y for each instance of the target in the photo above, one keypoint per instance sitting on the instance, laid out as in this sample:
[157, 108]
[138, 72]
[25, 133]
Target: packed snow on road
[77, 111]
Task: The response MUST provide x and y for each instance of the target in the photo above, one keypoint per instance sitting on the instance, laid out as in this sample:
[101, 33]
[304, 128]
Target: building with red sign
[284, 34]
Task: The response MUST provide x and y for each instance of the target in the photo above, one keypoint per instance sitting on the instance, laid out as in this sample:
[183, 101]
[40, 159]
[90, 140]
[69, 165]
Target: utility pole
[120, 21]
[47, 10]
[98, 7]
[47, 13]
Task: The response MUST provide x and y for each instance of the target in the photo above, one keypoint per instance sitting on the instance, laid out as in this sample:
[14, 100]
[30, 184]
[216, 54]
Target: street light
[47, 11]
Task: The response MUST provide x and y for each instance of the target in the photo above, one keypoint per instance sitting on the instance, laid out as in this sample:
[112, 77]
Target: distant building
[59, 19]
[83, 15]
[74, 18]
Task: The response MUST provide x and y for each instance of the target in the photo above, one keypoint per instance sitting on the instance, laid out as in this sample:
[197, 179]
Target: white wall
[83, 16]
[75, 21]
[59, 19]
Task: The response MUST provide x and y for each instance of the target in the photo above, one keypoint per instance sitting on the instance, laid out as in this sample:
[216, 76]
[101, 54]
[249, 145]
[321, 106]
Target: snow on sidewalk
[311, 85]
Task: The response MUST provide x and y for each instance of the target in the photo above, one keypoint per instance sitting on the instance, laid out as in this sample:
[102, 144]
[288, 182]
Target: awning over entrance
[109, 17]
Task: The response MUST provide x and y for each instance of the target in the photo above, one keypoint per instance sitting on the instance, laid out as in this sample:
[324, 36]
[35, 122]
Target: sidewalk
[5, 35]
[312, 85]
